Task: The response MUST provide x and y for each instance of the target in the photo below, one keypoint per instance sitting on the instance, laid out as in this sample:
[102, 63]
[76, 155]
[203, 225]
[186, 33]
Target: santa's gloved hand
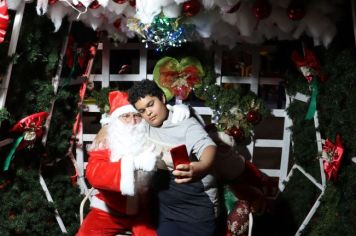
[180, 112]
[146, 160]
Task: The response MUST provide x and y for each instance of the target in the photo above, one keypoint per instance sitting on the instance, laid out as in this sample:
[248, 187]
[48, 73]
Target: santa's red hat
[119, 104]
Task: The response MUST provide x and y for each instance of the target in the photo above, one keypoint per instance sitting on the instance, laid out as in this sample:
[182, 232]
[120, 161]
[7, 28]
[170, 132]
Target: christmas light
[163, 32]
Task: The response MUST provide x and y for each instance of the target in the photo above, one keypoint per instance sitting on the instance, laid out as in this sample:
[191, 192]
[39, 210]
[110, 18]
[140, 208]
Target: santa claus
[121, 174]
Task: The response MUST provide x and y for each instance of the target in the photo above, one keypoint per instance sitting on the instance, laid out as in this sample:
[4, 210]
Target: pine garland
[26, 210]
[4, 114]
[231, 106]
[102, 100]
[336, 106]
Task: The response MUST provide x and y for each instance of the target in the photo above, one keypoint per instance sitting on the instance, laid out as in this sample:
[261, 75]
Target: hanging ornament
[51, 2]
[253, 117]
[119, 1]
[79, 5]
[4, 20]
[94, 5]
[117, 24]
[191, 8]
[234, 8]
[132, 3]
[236, 132]
[262, 9]
[296, 10]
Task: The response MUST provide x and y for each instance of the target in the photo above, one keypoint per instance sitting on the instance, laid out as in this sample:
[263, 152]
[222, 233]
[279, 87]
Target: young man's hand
[195, 170]
[186, 173]
[183, 173]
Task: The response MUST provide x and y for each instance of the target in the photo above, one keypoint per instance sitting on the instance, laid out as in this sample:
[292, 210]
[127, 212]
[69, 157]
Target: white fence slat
[12, 49]
[49, 199]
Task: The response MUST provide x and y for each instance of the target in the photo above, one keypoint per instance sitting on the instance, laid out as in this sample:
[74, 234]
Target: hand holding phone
[179, 155]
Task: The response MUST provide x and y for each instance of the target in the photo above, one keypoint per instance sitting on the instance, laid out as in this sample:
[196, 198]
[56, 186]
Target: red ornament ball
[119, 1]
[117, 24]
[94, 5]
[132, 3]
[191, 8]
[296, 11]
[262, 9]
[51, 2]
[79, 5]
[236, 132]
[234, 8]
[254, 117]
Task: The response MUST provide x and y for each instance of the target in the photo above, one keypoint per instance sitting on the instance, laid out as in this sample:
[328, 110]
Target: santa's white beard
[126, 139]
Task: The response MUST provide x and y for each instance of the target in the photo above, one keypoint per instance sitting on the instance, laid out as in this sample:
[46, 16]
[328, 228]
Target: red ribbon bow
[180, 83]
[309, 65]
[31, 126]
[79, 54]
[332, 156]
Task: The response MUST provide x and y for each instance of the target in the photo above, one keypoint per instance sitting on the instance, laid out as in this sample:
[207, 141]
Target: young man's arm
[199, 143]
[196, 170]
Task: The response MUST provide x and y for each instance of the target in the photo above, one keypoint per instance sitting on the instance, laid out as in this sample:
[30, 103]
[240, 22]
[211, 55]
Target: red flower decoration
[332, 157]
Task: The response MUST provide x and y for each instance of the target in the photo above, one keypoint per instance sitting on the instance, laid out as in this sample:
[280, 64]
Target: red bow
[332, 156]
[31, 126]
[4, 20]
[79, 54]
[180, 83]
[309, 65]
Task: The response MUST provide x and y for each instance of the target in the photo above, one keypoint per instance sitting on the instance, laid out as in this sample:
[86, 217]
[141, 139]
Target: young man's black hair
[143, 88]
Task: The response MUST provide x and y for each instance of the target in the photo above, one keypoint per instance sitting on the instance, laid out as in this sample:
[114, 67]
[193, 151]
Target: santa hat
[119, 104]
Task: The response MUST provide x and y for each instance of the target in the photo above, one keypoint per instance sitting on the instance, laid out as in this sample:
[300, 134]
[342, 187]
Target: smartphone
[179, 155]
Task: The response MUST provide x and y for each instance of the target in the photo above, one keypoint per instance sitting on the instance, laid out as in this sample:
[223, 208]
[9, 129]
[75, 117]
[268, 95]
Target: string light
[163, 32]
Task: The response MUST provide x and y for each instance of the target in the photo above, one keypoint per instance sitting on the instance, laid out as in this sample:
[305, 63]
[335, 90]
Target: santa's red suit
[121, 175]
[112, 212]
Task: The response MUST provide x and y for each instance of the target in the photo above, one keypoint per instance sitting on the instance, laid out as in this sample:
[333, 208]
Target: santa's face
[152, 109]
[126, 137]
[130, 118]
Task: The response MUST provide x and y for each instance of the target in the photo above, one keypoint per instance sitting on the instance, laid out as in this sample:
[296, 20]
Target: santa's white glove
[180, 112]
[146, 160]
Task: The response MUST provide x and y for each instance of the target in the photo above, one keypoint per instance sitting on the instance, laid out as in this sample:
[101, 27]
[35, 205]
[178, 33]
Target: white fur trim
[127, 183]
[146, 160]
[122, 110]
[105, 119]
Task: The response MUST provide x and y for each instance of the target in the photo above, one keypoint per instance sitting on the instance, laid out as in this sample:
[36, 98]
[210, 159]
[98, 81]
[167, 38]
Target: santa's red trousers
[100, 223]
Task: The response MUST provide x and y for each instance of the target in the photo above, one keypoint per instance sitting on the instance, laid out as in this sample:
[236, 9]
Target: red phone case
[179, 155]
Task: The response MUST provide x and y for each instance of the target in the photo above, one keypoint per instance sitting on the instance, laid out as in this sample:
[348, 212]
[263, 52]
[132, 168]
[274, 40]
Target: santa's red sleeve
[101, 173]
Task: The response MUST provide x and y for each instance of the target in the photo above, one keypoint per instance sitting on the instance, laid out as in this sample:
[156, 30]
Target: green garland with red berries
[235, 110]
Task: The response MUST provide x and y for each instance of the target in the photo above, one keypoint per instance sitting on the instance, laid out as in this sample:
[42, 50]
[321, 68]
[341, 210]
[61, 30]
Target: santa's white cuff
[127, 183]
